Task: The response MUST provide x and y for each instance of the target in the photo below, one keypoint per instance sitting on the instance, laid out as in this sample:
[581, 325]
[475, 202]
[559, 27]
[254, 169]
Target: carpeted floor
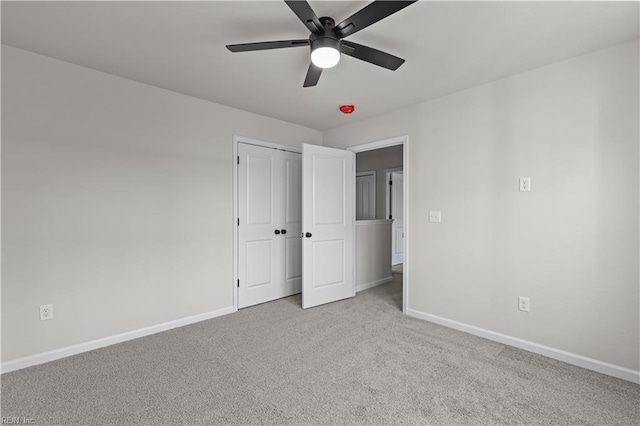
[357, 361]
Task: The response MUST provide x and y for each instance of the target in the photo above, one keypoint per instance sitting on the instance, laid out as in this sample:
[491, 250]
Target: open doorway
[387, 161]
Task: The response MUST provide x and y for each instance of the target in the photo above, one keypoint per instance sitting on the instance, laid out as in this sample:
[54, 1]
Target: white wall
[116, 202]
[379, 160]
[571, 244]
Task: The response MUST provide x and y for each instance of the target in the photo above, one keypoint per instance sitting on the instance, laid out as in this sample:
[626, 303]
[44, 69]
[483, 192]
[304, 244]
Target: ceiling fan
[326, 38]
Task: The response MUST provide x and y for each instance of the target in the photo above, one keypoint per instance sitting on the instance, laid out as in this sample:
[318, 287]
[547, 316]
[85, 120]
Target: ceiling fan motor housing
[326, 38]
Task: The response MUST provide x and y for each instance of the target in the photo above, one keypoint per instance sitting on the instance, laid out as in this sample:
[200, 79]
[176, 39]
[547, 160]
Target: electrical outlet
[523, 304]
[435, 216]
[46, 312]
[525, 184]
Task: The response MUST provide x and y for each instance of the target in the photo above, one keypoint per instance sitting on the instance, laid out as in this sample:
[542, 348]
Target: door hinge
[238, 283]
[238, 221]
[390, 217]
[238, 159]
[390, 182]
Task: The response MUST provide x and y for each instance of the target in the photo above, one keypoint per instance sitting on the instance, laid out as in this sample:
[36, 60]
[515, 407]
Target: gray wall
[373, 252]
[378, 160]
[116, 202]
[571, 244]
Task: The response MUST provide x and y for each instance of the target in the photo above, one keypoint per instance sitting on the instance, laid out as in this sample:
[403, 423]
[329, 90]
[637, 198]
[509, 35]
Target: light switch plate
[435, 216]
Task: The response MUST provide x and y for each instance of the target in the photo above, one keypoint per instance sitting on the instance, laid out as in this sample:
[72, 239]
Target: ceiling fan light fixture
[325, 51]
[325, 57]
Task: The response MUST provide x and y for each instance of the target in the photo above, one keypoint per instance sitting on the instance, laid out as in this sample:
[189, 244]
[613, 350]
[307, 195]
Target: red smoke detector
[347, 109]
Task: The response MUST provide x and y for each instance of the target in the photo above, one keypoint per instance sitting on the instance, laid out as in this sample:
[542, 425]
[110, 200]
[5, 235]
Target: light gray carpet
[356, 361]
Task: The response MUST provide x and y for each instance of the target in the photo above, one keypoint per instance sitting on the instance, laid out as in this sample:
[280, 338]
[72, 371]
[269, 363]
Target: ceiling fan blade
[265, 45]
[371, 55]
[368, 15]
[303, 11]
[313, 75]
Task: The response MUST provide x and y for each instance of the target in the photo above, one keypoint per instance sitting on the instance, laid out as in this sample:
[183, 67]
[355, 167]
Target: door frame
[404, 141]
[234, 223]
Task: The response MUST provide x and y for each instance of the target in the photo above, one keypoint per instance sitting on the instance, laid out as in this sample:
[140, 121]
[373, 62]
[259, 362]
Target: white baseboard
[55, 354]
[365, 286]
[560, 355]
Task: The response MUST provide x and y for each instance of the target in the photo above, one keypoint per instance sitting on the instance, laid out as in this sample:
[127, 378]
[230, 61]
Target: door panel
[328, 188]
[293, 258]
[260, 174]
[327, 252]
[328, 216]
[269, 263]
[259, 257]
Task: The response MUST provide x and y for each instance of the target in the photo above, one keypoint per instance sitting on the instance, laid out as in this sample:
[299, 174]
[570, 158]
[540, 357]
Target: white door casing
[269, 201]
[366, 195]
[404, 141]
[328, 218]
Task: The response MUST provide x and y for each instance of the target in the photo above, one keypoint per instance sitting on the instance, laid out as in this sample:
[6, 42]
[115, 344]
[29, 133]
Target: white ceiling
[180, 46]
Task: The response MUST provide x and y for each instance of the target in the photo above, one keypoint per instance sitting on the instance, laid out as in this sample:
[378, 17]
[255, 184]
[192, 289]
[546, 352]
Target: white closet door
[259, 256]
[328, 217]
[269, 259]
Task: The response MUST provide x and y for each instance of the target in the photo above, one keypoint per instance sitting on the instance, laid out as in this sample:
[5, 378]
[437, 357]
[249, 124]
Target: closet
[269, 224]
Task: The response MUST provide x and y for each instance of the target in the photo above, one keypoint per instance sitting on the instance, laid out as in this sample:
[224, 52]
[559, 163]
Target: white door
[397, 229]
[328, 219]
[269, 224]
[366, 195]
